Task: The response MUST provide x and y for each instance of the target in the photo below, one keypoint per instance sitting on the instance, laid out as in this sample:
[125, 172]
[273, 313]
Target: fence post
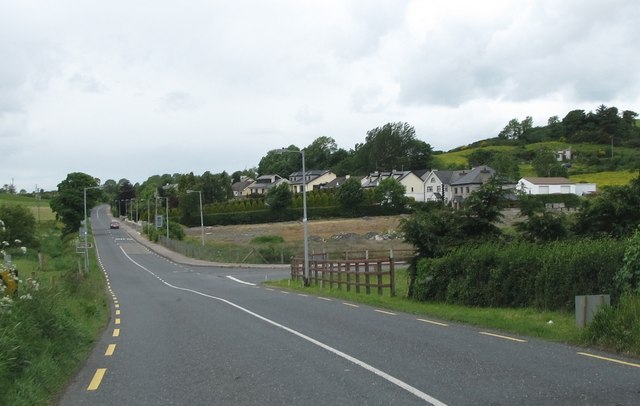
[379, 266]
[392, 275]
[367, 277]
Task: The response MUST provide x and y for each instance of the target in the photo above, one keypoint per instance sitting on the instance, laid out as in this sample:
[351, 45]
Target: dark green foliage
[390, 194]
[19, 224]
[628, 278]
[392, 146]
[350, 195]
[546, 164]
[615, 212]
[279, 197]
[520, 274]
[68, 204]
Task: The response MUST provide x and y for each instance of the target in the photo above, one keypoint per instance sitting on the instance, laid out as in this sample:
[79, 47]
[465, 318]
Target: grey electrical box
[587, 306]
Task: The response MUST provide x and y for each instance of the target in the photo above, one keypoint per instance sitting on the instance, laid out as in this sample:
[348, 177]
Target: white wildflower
[18, 241]
[26, 297]
[23, 250]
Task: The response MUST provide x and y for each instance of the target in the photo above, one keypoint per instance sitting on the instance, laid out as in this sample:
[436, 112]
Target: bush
[521, 274]
[617, 327]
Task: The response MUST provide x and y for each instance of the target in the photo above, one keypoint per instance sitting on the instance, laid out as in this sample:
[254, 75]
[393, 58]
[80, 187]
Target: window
[430, 189]
[412, 188]
[455, 190]
[467, 189]
[433, 180]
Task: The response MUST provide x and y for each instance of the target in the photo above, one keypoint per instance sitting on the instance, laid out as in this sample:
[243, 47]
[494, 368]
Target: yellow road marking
[434, 322]
[117, 312]
[116, 332]
[382, 311]
[117, 321]
[97, 378]
[117, 305]
[617, 361]
[349, 304]
[110, 349]
[504, 337]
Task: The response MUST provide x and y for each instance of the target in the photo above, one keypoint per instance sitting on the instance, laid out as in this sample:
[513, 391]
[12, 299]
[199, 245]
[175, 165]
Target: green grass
[40, 208]
[602, 179]
[44, 340]
[523, 321]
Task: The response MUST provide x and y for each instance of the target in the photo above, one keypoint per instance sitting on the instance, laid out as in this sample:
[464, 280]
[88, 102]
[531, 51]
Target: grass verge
[523, 321]
[51, 324]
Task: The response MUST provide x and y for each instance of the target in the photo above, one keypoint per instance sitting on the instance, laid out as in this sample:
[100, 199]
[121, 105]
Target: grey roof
[477, 175]
[311, 174]
[242, 185]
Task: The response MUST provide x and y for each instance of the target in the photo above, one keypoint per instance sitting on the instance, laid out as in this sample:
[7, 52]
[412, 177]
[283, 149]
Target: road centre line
[617, 361]
[97, 378]
[325, 299]
[350, 304]
[116, 332]
[384, 312]
[403, 385]
[503, 337]
[433, 322]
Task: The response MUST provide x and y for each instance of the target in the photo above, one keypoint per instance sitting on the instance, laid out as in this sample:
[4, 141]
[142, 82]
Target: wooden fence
[377, 273]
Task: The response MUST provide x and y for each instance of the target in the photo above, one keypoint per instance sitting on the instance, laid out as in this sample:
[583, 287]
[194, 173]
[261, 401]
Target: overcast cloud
[124, 89]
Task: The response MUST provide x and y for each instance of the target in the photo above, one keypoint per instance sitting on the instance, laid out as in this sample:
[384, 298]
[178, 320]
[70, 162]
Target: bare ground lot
[366, 233]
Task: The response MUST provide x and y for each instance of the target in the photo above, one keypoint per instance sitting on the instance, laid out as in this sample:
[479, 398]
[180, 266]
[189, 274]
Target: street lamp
[167, 199]
[304, 214]
[86, 244]
[199, 192]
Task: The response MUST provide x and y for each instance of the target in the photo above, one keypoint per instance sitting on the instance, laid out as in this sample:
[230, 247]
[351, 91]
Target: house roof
[337, 182]
[242, 185]
[311, 174]
[549, 181]
[477, 175]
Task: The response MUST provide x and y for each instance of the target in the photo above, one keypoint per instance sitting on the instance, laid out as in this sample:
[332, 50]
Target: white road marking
[239, 281]
[413, 390]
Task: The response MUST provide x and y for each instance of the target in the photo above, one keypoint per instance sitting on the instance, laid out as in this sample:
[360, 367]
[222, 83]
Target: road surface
[198, 334]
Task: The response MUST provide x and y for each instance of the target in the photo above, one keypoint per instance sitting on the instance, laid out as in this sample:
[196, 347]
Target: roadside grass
[46, 336]
[547, 325]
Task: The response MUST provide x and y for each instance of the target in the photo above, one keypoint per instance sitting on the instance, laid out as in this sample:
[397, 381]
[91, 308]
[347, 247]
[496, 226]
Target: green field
[40, 208]
[602, 179]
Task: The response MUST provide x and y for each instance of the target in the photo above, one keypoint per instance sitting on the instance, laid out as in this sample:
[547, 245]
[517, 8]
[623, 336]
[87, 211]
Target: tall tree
[392, 146]
[68, 204]
[283, 164]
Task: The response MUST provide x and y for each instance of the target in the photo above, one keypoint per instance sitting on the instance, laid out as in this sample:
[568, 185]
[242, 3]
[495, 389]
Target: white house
[314, 179]
[553, 185]
[413, 184]
[265, 182]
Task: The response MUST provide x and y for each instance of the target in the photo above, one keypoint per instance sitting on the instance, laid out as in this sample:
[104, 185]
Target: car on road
[114, 225]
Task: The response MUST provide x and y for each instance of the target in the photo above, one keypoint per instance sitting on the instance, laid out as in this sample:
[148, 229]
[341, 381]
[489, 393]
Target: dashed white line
[413, 390]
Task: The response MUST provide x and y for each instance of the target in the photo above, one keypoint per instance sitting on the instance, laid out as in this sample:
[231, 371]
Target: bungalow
[265, 182]
[313, 179]
[557, 185]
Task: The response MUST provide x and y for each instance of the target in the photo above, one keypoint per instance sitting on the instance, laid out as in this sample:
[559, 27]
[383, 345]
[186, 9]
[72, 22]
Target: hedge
[521, 274]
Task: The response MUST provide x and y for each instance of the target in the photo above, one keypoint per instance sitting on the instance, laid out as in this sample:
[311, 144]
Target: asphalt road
[191, 334]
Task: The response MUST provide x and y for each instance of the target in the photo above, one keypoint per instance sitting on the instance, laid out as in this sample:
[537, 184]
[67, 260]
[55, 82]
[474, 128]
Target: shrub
[617, 327]
[520, 274]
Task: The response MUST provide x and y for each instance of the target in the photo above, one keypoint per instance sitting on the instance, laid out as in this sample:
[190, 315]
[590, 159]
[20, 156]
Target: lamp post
[304, 214]
[199, 192]
[167, 199]
[86, 244]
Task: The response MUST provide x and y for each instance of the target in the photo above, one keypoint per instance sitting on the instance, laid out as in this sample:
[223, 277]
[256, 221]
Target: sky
[131, 89]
